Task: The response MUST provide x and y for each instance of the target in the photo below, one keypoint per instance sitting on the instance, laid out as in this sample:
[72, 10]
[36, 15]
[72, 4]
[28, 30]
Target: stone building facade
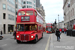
[7, 15]
[69, 13]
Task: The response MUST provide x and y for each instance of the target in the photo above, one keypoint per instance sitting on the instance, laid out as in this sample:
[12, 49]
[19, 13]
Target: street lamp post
[69, 16]
[55, 24]
[15, 16]
[58, 22]
[69, 22]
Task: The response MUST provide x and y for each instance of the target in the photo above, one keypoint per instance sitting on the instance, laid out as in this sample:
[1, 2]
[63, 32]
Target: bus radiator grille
[24, 37]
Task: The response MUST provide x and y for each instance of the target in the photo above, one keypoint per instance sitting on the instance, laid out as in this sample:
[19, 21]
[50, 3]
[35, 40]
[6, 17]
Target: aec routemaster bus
[48, 28]
[29, 25]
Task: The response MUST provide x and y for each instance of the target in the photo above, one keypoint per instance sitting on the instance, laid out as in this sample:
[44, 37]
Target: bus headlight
[17, 36]
[31, 36]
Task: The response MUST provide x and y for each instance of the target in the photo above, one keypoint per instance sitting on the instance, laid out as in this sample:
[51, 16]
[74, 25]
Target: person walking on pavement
[58, 34]
[10, 31]
[60, 30]
[1, 32]
[14, 34]
[65, 30]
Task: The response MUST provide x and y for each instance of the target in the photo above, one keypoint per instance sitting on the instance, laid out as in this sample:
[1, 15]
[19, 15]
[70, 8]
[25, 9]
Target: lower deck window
[26, 27]
[48, 29]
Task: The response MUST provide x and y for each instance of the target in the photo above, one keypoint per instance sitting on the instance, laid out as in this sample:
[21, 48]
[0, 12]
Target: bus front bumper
[25, 38]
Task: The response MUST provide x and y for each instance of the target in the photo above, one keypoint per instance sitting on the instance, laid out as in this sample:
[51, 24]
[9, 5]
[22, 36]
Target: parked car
[1, 37]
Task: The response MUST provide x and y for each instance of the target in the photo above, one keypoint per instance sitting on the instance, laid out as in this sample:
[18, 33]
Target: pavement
[7, 36]
[66, 42]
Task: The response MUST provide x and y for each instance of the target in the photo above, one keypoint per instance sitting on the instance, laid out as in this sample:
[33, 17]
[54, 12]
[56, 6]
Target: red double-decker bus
[29, 25]
[48, 28]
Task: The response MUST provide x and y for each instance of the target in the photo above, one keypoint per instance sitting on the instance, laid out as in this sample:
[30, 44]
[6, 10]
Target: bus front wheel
[36, 39]
[18, 41]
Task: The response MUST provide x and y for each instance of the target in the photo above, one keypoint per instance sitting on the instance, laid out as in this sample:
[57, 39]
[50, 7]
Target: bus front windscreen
[21, 13]
[48, 29]
[30, 27]
[26, 27]
[20, 27]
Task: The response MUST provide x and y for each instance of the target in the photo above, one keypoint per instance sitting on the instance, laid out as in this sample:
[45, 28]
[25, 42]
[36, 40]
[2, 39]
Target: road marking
[51, 44]
[4, 45]
[47, 43]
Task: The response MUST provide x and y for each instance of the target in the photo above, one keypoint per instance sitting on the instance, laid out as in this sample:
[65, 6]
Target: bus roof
[27, 9]
[30, 10]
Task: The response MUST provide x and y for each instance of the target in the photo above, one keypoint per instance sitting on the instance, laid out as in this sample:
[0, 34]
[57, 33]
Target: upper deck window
[21, 13]
[29, 12]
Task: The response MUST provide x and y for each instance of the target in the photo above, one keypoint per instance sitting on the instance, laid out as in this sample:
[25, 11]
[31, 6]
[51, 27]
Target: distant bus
[48, 28]
[29, 25]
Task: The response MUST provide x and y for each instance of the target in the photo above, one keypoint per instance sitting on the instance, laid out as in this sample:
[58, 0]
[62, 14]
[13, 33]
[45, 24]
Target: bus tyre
[36, 39]
[18, 41]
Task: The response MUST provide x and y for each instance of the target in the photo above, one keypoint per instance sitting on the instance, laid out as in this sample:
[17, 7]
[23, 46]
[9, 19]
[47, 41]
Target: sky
[52, 9]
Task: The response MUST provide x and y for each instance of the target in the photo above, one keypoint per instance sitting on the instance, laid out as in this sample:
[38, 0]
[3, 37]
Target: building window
[29, 2]
[10, 17]
[34, 1]
[34, 6]
[24, 7]
[24, 2]
[4, 15]
[10, 28]
[4, 6]
[16, 0]
[11, 2]
[29, 6]
[11, 9]
[16, 5]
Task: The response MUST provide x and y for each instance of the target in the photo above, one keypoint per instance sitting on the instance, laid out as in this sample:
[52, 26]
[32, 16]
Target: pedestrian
[10, 31]
[60, 30]
[1, 32]
[58, 34]
[65, 30]
[14, 34]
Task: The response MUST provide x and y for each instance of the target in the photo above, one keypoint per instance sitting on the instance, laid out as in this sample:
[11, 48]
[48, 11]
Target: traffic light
[55, 22]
